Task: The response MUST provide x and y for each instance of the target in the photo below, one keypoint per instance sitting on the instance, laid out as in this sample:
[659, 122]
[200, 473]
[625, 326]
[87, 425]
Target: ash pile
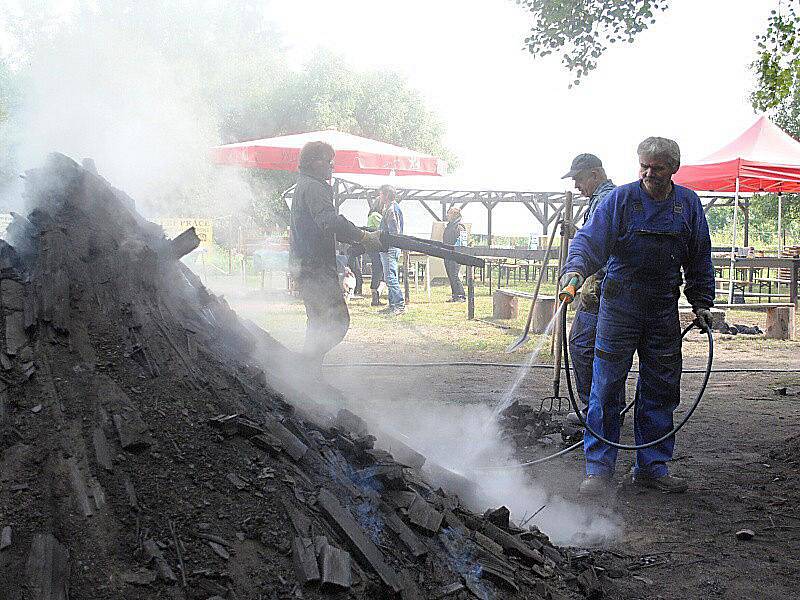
[144, 452]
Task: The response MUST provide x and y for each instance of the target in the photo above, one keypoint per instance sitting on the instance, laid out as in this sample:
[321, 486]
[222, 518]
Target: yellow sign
[203, 227]
[5, 221]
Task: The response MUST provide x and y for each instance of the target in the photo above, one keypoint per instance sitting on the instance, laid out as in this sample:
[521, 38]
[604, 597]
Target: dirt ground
[742, 472]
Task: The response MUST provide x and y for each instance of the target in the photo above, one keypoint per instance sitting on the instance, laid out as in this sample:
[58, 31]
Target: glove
[567, 278]
[704, 319]
[372, 241]
[591, 291]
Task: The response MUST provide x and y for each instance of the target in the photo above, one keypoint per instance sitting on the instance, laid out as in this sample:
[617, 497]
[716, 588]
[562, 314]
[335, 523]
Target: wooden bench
[505, 305]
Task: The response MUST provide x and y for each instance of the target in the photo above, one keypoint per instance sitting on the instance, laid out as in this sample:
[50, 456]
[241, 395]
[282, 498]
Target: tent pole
[780, 217]
[733, 244]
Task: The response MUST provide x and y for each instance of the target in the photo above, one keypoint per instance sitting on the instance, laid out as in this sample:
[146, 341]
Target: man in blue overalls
[591, 180]
[644, 232]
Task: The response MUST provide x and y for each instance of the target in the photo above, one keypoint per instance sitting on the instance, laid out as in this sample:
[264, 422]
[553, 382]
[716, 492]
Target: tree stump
[504, 306]
[542, 314]
[780, 323]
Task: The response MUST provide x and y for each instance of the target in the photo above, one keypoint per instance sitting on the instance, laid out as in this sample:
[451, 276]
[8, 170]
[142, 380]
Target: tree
[327, 93]
[583, 29]
[173, 78]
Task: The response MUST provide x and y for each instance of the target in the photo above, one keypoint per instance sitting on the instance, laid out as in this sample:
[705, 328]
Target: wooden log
[780, 323]
[48, 569]
[504, 306]
[184, 243]
[366, 549]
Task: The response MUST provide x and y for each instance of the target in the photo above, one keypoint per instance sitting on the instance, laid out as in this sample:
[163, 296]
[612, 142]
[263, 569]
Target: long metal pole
[780, 223]
[733, 244]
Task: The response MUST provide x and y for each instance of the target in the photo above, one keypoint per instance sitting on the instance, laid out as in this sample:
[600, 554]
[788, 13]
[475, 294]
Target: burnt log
[184, 243]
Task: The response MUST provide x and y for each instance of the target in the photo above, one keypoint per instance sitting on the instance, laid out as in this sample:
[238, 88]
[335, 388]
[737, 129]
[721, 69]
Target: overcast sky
[510, 117]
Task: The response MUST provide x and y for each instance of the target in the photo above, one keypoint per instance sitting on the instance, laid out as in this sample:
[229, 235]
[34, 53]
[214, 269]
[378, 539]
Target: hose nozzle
[567, 295]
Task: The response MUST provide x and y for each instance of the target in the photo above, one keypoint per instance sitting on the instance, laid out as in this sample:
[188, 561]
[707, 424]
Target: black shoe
[452, 300]
[376, 299]
[461, 299]
[667, 483]
[573, 421]
[595, 485]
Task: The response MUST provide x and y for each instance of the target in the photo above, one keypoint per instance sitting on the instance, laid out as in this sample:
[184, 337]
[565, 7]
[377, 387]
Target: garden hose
[664, 437]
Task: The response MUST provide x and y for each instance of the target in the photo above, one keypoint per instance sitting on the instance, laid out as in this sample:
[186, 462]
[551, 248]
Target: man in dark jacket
[454, 234]
[315, 226]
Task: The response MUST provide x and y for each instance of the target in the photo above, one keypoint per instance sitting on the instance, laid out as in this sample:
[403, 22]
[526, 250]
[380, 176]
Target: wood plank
[102, 449]
[305, 560]
[5, 537]
[364, 547]
[48, 569]
[403, 531]
[16, 337]
[79, 488]
[334, 564]
[131, 429]
[290, 442]
[424, 516]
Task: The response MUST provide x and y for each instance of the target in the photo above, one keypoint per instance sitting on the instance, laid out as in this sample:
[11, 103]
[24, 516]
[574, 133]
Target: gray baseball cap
[581, 163]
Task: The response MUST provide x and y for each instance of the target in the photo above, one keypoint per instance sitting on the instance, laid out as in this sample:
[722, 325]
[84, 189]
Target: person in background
[315, 226]
[392, 222]
[374, 224]
[649, 235]
[354, 263]
[455, 234]
[590, 179]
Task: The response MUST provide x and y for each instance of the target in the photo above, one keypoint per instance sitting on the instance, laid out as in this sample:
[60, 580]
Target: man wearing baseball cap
[591, 180]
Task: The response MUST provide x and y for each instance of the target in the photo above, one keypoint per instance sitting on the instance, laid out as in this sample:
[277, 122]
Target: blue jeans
[389, 261]
[632, 319]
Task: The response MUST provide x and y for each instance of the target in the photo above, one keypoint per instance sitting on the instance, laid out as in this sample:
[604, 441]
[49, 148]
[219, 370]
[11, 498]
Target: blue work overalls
[584, 324]
[648, 242]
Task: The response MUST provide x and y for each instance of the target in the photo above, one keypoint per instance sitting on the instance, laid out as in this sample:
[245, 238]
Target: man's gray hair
[662, 147]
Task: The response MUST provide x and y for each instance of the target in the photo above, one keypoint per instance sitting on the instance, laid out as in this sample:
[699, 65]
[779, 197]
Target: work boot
[667, 483]
[376, 298]
[398, 310]
[573, 420]
[595, 485]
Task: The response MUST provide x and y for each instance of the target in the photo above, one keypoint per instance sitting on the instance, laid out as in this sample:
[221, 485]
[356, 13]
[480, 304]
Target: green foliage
[582, 29]
[777, 66]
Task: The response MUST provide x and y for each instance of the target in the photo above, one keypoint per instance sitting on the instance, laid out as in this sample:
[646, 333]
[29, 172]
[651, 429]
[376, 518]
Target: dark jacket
[453, 232]
[314, 224]
[392, 221]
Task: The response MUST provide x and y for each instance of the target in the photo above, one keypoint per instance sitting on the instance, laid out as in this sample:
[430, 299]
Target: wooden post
[470, 293]
[732, 273]
[489, 224]
[406, 292]
[793, 282]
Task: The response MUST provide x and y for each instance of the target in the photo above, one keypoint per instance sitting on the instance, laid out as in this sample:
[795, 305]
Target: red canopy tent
[763, 159]
[354, 154]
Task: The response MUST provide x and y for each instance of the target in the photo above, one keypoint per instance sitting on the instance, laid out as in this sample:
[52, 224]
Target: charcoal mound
[145, 453]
